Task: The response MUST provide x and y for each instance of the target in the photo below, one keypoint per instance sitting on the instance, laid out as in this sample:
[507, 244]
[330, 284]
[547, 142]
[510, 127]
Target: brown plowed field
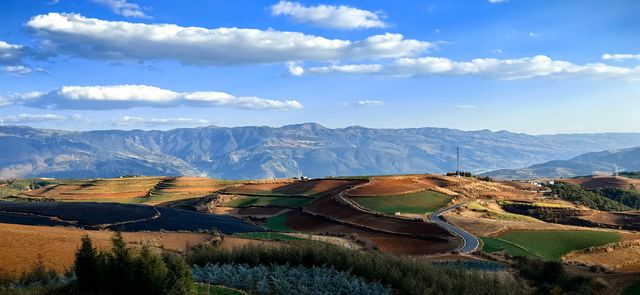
[330, 207]
[115, 188]
[605, 181]
[393, 185]
[23, 245]
[306, 188]
[388, 243]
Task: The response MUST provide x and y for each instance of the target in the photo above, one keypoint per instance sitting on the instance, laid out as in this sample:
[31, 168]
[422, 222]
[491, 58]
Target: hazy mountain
[586, 164]
[256, 152]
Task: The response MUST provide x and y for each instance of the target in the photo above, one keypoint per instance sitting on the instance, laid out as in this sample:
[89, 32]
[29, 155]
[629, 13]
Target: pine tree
[179, 280]
[87, 266]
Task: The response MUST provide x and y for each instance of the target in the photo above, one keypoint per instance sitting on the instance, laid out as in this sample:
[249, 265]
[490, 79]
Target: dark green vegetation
[580, 196]
[404, 275]
[631, 174]
[290, 202]
[285, 279]
[550, 277]
[267, 236]
[276, 223]
[416, 203]
[125, 271]
[547, 244]
[628, 198]
[633, 289]
[206, 289]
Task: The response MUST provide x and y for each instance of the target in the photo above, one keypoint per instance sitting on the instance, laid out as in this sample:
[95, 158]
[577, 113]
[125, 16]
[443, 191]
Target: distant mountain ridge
[585, 164]
[258, 152]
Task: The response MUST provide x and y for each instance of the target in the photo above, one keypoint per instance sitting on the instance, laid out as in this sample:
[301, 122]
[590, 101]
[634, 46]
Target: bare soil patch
[23, 245]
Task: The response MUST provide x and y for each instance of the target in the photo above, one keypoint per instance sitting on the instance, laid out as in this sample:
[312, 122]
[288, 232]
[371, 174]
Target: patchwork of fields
[416, 203]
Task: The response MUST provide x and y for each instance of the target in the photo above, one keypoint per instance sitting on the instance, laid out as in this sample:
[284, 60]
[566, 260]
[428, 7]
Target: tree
[87, 266]
[150, 273]
[179, 280]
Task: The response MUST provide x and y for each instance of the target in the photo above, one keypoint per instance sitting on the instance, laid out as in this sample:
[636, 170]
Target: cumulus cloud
[347, 69]
[139, 121]
[369, 103]
[94, 38]
[11, 54]
[329, 16]
[620, 57]
[129, 96]
[507, 69]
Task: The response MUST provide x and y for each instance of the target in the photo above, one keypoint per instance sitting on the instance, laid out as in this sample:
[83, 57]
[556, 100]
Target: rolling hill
[585, 164]
[258, 152]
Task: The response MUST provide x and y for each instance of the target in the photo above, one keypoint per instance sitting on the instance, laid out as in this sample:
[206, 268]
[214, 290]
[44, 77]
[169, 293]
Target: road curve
[469, 242]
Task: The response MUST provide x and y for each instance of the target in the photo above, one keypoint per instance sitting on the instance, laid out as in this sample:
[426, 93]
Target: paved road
[470, 242]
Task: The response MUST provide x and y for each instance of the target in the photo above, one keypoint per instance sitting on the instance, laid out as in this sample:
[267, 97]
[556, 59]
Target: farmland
[547, 244]
[124, 217]
[292, 188]
[416, 203]
[23, 245]
[247, 201]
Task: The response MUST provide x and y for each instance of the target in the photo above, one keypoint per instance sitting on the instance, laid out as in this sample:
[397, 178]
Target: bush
[124, 271]
[550, 277]
[625, 197]
[403, 274]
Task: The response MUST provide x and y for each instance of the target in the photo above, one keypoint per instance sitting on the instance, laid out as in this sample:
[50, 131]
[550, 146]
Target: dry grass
[126, 190]
[620, 257]
[23, 245]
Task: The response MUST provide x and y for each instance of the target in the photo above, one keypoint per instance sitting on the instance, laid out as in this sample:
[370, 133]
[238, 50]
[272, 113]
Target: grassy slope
[276, 223]
[290, 202]
[548, 244]
[417, 203]
[495, 214]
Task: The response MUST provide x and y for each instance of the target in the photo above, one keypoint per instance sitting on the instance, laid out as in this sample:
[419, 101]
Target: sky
[538, 67]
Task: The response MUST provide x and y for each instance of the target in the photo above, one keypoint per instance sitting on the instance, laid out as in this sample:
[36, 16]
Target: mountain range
[585, 164]
[263, 152]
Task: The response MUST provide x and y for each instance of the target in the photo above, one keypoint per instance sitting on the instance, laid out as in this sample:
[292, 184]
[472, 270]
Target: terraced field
[183, 187]
[132, 190]
[414, 203]
[547, 244]
[296, 188]
[247, 201]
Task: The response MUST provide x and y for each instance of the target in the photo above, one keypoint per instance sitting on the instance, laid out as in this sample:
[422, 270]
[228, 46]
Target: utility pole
[458, 160]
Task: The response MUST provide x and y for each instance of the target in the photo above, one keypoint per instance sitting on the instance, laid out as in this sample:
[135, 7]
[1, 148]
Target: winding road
[470, 242]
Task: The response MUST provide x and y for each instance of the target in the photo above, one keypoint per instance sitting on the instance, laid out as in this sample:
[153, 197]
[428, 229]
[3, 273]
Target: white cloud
[33, 118]
[497, 1]
[507, 69]
[533, 35]
[129, 96]
[466, 106]
[124, 8]
[11, 54]
[347, 69]
[94, 38]
[295, 68]
[496, 51]
[17, 70]
[139, 121]
[368, 103]
[329, 16]
[620, 57]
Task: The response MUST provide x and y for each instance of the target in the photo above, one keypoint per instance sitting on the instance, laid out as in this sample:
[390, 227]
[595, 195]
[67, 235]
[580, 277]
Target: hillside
[586, 164]
[257, 152]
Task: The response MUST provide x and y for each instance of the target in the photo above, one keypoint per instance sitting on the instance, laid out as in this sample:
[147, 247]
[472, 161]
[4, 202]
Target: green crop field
[276, 223]
[417, 203]
[206, 289]
[267, 236]
[290, 202]
[547, 244]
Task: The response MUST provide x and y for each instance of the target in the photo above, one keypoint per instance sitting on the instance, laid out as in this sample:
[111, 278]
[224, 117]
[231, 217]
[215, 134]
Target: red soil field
[311, 187]
[388, 243]
[330, 207]
[389, 186]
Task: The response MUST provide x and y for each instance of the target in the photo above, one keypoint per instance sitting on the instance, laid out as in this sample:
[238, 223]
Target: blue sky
[538, 67]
